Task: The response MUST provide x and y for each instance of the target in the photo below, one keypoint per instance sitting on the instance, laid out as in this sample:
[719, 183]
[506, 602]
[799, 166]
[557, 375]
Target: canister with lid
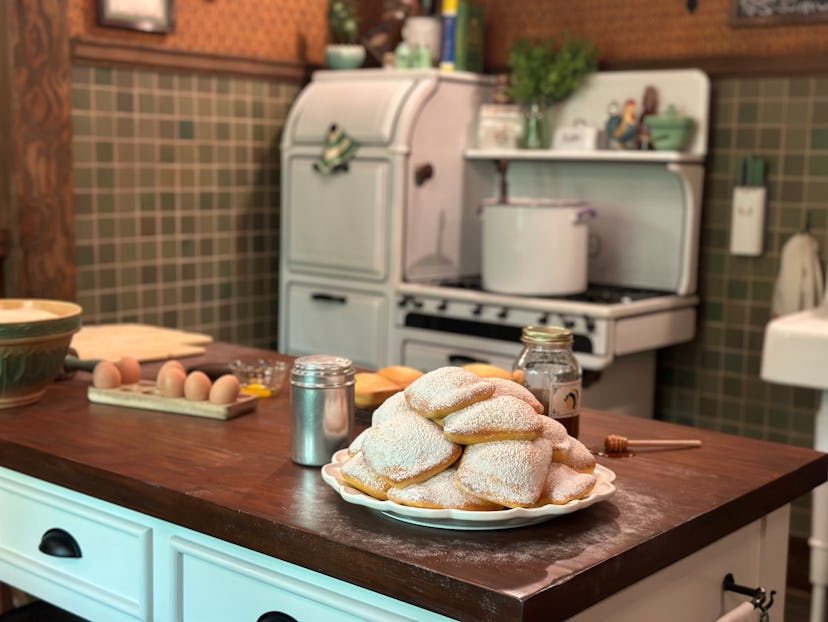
[549, 369]
[321, 407]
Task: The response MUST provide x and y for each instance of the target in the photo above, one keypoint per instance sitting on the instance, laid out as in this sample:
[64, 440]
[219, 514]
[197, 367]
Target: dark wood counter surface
[234, 480]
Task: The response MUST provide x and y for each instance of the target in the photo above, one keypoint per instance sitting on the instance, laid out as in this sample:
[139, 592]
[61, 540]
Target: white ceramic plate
[464, 519]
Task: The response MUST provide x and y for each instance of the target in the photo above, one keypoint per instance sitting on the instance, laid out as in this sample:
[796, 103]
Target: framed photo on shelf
[777, 12]
[145, 15]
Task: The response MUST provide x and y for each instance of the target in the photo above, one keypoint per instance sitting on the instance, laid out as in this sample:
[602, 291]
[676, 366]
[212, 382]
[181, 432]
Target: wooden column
[36, 205]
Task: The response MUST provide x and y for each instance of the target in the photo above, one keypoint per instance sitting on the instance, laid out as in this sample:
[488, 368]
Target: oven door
[426, 350]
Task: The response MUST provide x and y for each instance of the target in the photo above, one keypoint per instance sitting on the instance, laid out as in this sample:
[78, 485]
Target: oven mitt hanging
[339, 149]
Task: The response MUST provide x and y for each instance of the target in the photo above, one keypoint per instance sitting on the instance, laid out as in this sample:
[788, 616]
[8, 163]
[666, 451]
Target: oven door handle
[458, 360]
[329, 298]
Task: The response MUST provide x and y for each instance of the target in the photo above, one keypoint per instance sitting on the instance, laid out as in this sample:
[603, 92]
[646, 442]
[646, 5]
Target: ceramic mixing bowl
[34, 339]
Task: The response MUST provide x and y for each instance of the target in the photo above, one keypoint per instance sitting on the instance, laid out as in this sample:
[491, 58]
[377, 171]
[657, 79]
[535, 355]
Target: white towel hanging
[745, 612]
[799, 285]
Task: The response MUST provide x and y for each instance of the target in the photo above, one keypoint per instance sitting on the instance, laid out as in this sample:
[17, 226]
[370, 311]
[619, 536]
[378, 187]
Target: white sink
[796, 349]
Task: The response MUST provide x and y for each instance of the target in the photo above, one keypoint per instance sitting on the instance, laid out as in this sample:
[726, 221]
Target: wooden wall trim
[110, 53]
[40, 261]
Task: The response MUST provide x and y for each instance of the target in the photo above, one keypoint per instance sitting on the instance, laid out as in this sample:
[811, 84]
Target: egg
[225, 390]
[165, 368]
[106, 375]
[171, 383]
[130, 370]
[197, 386]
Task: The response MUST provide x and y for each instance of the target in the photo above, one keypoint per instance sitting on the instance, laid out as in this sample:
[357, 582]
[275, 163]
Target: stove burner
[600, 294]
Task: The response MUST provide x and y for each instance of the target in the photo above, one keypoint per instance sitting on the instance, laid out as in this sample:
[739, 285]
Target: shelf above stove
[596, 155]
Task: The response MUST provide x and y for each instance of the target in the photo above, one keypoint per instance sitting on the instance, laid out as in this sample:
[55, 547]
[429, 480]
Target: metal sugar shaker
[321, 407]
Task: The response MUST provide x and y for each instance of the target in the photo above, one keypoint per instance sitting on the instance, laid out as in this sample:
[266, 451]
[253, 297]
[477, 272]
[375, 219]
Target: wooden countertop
[234, 480]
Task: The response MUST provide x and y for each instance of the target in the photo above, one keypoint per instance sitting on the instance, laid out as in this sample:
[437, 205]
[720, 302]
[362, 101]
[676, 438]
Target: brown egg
[165, 368]
[106, 375]
[225, 390]
[130, 370]
[171, 384]
[197, 386]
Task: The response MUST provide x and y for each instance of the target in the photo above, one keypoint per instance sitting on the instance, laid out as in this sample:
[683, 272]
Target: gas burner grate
[599, 294]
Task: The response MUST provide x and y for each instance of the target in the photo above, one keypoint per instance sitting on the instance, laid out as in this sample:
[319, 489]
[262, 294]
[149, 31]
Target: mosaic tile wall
[714, 382]
[176, 200]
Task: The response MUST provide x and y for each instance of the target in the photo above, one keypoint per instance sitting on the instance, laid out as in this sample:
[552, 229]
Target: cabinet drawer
[212, 585]
[338, 223]
[343, 322]
[112, 577]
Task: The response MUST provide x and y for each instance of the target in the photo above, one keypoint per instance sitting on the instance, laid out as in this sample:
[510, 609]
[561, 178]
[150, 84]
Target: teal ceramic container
[670, 131]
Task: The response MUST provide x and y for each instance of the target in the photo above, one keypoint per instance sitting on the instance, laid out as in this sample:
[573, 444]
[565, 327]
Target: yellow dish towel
[799, 285]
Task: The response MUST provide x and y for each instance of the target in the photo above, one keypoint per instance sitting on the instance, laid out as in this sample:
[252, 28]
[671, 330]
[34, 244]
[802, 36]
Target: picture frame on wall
[777, 12]
[155, 16]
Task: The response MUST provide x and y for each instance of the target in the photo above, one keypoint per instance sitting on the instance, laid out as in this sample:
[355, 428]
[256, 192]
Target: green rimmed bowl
[34, 340]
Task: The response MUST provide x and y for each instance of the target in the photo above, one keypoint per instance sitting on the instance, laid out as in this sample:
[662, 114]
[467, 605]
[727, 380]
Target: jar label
[565, 399]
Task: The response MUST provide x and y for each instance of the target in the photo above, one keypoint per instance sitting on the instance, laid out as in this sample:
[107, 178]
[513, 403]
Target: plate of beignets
[474, 519]
[457, 451]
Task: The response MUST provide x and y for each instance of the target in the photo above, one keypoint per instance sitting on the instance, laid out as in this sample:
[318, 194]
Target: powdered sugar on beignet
[358, 474]
[578, 458]
[510, 387]
[390, 407]
[510, 473]
[445, 390]
[407, 448]
[555, 432]
[563, 485]
[356, 445]
[440, 492]
[495, 419]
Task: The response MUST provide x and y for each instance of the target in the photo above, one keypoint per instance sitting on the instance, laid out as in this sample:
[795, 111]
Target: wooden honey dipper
[614, 444]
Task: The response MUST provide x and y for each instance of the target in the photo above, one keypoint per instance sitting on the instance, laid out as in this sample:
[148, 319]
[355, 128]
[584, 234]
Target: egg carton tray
[145, 395]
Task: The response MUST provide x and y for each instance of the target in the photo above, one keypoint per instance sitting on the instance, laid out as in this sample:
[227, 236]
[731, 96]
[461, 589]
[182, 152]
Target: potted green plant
[544, 73]
[343, 50]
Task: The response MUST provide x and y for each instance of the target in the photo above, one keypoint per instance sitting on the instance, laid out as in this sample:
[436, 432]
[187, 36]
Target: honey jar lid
[546, 334]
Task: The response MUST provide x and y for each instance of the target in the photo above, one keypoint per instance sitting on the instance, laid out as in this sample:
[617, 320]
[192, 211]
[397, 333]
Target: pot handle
[584, 215]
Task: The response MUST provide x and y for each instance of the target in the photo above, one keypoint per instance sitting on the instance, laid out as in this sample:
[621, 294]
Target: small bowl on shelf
[669, 131]
[262, 377]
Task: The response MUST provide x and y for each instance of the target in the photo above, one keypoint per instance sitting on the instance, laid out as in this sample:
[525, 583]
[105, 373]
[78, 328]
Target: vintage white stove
[381, 262]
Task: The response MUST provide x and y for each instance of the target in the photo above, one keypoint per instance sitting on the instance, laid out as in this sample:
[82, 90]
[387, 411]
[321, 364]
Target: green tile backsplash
[713, 382]
[177, 200]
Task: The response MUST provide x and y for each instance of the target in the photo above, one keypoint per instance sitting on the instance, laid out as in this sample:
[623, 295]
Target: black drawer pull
[329, 298]
[276, 616]
[59, 543]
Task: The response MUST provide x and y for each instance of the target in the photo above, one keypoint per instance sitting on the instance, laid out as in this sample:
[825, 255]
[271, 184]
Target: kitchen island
[209, 513]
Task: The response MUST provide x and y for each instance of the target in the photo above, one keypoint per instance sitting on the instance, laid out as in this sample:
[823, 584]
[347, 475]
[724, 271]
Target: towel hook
[806, 222]
[757, 595]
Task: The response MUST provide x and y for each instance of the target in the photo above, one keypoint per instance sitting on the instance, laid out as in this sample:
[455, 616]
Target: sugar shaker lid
[322, 371]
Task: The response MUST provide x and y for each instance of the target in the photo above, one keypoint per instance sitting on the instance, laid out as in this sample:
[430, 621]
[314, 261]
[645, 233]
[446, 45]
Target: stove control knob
[590, 324]
[569, 323]
[543, 319]
[478, 309]
[403, 301]
[418, 304]
[443, 305]
[504, 313]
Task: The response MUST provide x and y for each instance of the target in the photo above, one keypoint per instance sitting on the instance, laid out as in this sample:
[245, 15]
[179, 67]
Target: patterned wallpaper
[634, 30]
[272, 30]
